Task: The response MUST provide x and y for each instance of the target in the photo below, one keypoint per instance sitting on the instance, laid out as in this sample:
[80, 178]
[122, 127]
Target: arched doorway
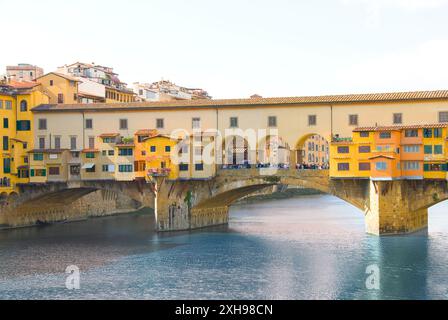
[274, 150]
[236, 151]
[313, 151]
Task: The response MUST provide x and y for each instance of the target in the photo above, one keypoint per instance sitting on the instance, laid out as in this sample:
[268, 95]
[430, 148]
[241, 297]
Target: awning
[88, 166]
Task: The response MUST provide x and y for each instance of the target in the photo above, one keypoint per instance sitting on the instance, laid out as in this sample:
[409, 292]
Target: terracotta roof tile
[398, 128]
[204, 103]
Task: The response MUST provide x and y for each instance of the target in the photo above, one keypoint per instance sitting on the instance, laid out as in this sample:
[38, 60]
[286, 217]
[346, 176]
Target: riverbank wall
[96, 204]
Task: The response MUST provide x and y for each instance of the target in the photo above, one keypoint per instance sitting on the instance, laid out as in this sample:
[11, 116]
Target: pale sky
[236, 48]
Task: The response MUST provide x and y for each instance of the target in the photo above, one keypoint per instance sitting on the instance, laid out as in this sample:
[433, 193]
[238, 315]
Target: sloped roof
[204, 103]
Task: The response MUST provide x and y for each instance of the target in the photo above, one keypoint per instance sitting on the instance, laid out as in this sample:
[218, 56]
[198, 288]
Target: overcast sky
[236, 48]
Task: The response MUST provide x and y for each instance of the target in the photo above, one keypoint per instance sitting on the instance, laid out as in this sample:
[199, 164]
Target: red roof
[23, 84]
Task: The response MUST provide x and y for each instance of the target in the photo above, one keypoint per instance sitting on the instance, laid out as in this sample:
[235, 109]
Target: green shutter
[445, 167]
[44, 172]
[426, 167]
[32, 172]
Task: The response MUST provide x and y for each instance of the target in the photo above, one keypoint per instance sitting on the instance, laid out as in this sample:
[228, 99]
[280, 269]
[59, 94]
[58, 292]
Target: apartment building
[23, 72]
[98, 83]
[166, 90]
[16, 125]
[392, 152]
[315, 151]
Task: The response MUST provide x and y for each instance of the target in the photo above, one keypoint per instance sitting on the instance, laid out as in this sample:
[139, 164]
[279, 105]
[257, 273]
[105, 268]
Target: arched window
[23, 106]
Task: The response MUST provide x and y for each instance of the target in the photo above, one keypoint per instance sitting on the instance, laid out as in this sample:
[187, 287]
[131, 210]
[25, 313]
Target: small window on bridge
[385, 135]
[343, 166]
[364, 149]
[312, 120]
[364, 134]
[343, 149]
[353, 120]
[364, 166]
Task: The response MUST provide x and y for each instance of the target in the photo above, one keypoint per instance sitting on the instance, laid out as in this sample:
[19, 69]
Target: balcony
[158, 172]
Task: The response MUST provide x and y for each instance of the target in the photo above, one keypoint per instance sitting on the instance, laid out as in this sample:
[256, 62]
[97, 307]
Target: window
[364, 134]
[25, 145]
[411, 149]
[153, 148]
[42, 124]
[443, 116]
[125, 168]
[105, 168]
[123, 124]
[75, 170]
[160, 124]
[364, 166]
[312, 120]
[233, 122]
[38, 172]
[51, 83]
[23, 125]
[167, 149]
[23, 106]
[435, 167]
[199, 167]
[6, 165]
[111, 152]
[411, 165]
[438, 133]
[5, 123]
[41, 143]
[272, 121]
[412, 133]
[428, 149]
[364, 149]
[75, 97]
[89, 124]
[385, 135]
[91, 169]
[353, 120]
[5, 143]
[344, 149]
[196, 123]
[438, 149]
[1, 104]
[343, 166]
[53, 171]
[91, 142]
[104, 153]
[183, 167]
[60, 98]
[125, 152]
[57, 142]
[90, 155]
[398, 118]
[8, 105]
[427, 133]
[73, 143]
[380, 166]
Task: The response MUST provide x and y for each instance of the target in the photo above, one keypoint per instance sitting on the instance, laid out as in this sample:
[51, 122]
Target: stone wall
[95, 204]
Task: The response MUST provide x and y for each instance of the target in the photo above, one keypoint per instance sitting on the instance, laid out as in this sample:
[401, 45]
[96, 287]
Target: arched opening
[23, 106]
[273, 150]
[236, 152]
[312, 152]
[13, 196]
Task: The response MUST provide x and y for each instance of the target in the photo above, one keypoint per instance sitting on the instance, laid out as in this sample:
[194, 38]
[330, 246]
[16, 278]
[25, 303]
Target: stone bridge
[390, 207]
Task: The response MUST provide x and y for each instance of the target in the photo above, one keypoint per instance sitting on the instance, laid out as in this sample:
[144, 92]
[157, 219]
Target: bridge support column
[391, 209]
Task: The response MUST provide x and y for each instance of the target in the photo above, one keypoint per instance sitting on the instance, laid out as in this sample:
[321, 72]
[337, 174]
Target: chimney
[256, 96]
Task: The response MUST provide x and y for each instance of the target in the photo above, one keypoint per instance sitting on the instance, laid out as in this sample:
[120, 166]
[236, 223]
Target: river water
[311, 247]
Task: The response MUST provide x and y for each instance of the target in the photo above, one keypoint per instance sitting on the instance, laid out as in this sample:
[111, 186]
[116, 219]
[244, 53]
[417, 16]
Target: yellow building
[392, 152]
[159, 150]
[16, 101]
[114, 95]
[59, 87]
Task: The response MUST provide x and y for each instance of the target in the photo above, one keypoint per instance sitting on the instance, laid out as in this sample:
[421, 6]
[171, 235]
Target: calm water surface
[310, 247]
